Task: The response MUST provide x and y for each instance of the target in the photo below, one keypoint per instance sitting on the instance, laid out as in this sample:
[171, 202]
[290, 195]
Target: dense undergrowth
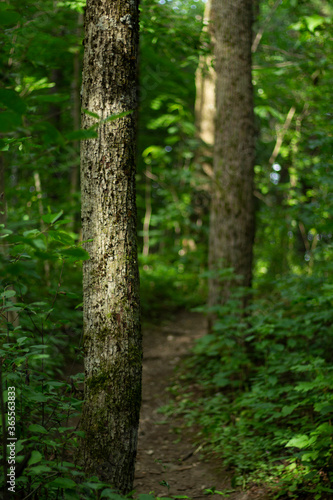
[260, 386]
[40, 342]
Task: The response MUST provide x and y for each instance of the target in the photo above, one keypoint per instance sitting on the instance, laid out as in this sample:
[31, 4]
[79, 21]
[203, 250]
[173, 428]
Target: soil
[168, 462]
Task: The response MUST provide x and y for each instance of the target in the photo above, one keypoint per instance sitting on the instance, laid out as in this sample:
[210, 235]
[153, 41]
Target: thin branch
[282, 51]
[286, 64]
[148, 213]
[263, 198]
[260, 33]
[304, 238]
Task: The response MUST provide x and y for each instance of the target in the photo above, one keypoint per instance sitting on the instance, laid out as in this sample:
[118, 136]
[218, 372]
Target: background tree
[232, 209]
[112, 337]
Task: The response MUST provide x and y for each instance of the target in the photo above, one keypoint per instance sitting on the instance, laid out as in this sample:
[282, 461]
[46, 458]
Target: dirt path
[163, 456]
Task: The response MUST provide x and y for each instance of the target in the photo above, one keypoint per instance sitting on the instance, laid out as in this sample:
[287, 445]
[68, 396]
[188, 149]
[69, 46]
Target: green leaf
[111, 118]
[305, 386]
[62, 237]
[36, 457]
[313, 22]
[77, 253]
[52, 218]
[51, 98]
[31, 232]
[19, 446]
[90, 113]
[9, 121]
[287, 410]
[39, 469]
[39, 243]
[93, 486]
[9, 17]
[83, 134]
[8, 294]
[62, 482]
[21, 340]
[37, 428]
[12, 100]
[300, 441]
[108, 493]
[80, 433]
[41, 397]
[325, 409]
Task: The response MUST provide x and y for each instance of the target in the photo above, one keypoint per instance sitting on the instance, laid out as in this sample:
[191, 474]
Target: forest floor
[167, 454]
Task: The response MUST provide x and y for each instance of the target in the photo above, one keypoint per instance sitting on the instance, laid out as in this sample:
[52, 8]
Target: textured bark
[112, 337]
[232, 207]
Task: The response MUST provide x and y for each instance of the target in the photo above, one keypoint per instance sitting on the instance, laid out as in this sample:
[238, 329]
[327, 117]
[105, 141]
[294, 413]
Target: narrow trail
[163, 455]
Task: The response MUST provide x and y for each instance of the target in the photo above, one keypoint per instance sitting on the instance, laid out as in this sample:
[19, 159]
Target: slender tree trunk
[205, 83]
[146, 222]
[112, 337]
[38, 187]
[232, 208]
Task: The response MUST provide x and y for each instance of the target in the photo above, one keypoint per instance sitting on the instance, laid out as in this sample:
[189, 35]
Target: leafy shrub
[40, 407]
[266, 382]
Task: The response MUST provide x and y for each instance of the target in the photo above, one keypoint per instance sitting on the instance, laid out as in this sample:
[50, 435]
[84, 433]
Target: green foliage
[266, 382]
[33, 342]
[166, 287]
[170, 182]
[292, 80]
[42, 403]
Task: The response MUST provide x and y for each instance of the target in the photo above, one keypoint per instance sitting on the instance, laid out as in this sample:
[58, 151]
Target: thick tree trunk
[232, 208]
[112, 337]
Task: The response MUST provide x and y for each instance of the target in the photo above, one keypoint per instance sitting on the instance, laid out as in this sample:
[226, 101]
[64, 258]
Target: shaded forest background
[265, 377]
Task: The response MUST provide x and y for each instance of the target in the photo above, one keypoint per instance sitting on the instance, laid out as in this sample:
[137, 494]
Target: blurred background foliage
[244, 368]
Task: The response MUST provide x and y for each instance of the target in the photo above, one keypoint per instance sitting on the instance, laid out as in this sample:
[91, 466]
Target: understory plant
[265, 386]
[41, 395]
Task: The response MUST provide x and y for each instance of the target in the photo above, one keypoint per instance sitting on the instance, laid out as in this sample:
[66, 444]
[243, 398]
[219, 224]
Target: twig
[303, 233]
[263, 198]
[258, 36]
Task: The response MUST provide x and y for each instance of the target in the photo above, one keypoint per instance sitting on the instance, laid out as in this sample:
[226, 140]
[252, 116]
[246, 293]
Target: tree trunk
[205, 83]
[112, 337]
[232, 207]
